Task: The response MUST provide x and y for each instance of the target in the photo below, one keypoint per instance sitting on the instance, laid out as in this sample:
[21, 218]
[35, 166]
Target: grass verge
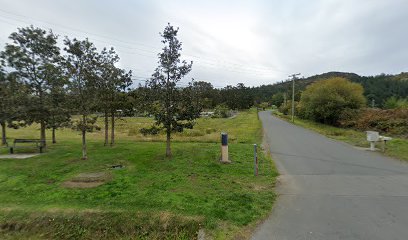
[397, 148]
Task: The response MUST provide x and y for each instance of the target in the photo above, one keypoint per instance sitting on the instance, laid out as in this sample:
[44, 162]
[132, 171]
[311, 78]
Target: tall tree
[82, 66]
[171, 106]
[32, 55]
[112, 81]
[57, 101]
[12, 99]
[206, 93]
[4, 108]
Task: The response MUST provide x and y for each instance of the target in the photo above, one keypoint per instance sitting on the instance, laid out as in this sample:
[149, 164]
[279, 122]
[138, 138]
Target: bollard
[224, 148]
[255, 161]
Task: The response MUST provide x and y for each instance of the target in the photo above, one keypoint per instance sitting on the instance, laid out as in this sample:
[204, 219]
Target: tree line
[43, 83]
[377, 89]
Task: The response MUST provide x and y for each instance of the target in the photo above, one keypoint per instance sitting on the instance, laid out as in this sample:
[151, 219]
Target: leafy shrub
[285, 109]
[150, 131]
[263, 105]
[393, 103]
[349, 117]
[325, 100]
[222, 111]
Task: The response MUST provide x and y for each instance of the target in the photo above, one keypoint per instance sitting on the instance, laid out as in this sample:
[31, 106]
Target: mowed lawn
[151, 197]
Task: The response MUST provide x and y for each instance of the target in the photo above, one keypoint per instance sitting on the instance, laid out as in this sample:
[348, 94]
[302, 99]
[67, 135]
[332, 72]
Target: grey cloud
[278, 37]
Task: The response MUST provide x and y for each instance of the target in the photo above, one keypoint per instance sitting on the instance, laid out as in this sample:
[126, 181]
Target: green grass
[397, 148]
[244, 128]
[193, 188]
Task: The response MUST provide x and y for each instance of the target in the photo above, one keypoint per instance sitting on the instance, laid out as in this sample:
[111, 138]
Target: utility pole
[293, 76]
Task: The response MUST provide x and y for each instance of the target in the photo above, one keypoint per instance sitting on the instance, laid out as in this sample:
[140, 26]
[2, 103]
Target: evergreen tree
[57, 101]
[12, 99]
[170, 105]
[111, 82]
[81, 65]
[33, 55]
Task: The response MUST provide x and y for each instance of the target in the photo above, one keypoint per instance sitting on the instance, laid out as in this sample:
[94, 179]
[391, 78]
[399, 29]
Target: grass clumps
[398, 147]
[96, 225]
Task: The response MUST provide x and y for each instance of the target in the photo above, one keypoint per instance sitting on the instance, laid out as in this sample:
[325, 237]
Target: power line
[216, 63]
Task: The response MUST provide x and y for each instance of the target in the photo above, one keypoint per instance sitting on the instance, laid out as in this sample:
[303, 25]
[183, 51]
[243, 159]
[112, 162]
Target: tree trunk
[84, 154]
[106, 129]
[54, 140]
[42, 137]
[112, 128]
[168, 148]
[3, 133]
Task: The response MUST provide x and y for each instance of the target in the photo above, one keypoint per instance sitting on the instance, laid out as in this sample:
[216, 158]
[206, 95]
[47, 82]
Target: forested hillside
[377, 88]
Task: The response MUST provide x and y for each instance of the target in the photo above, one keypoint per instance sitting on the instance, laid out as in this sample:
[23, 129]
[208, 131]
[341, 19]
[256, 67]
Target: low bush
[392, 121]
[285, 109]
[222, 111]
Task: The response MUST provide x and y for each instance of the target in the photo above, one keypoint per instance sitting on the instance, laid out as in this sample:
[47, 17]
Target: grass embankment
[151, 197]
[397, 148]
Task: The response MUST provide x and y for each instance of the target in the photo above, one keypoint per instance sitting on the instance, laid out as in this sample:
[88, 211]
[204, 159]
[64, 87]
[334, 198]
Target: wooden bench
[38, 144]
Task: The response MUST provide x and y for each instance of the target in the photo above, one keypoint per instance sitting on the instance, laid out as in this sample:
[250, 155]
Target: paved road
[330, 190]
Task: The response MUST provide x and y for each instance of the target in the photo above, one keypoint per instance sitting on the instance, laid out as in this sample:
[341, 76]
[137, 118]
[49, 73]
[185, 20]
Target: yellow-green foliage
[324, 100]
[243, 128]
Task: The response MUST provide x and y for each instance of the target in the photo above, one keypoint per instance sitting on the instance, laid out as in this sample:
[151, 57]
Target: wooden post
[255, 160]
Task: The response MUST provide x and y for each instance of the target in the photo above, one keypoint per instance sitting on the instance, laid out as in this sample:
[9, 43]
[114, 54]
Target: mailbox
[385, 139]
[373, 136]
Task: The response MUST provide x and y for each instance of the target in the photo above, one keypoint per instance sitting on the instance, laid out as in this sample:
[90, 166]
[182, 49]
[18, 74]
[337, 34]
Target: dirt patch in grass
[19, 156]
[88, 180]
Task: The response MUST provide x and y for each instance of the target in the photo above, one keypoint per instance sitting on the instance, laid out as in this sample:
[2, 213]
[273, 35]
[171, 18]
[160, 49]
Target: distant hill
[377, 88]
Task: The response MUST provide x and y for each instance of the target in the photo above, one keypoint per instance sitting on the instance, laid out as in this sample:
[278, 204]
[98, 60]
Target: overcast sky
[253, 42]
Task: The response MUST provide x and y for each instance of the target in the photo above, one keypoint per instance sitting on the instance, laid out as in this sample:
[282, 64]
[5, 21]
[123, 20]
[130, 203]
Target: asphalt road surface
[331, 190]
